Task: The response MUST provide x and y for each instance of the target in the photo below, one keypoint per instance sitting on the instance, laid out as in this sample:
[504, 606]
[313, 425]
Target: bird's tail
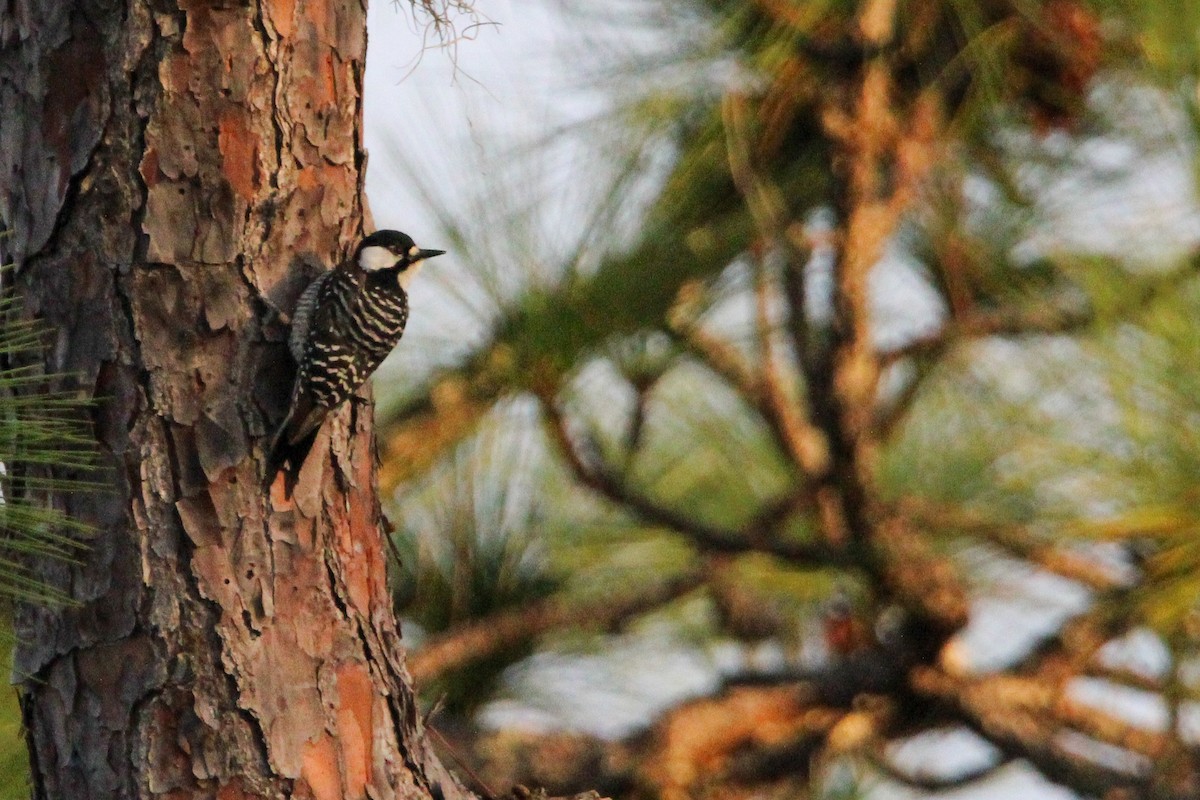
[288, 457]
[293, 441]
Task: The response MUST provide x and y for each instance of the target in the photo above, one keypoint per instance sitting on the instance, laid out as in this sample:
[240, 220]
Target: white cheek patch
[405, 278]
[375, 258]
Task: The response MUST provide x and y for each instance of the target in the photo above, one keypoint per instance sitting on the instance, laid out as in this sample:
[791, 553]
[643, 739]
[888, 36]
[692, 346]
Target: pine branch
[1014, 539]
[759, 535]
[802, 440]
[1025, 717]
[931, 783]
[482, 637]
[804, 444]
[1044, 321]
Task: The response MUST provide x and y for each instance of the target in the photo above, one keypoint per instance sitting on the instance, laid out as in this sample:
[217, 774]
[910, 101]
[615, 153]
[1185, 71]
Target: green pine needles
[46, 454]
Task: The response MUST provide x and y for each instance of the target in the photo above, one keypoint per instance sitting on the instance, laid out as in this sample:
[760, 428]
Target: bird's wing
[302, 317]
[313, 315]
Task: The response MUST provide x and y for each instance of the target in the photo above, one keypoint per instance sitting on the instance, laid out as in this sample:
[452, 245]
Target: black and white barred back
[344, 325]
[359, 318]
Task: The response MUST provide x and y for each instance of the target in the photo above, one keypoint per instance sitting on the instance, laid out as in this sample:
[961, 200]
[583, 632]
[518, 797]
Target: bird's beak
[424, 254]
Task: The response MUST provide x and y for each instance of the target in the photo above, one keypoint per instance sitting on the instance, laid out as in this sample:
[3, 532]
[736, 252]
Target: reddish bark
[165, 169]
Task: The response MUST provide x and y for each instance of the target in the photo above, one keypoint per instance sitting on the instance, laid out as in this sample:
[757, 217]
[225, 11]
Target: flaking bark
[170, 171]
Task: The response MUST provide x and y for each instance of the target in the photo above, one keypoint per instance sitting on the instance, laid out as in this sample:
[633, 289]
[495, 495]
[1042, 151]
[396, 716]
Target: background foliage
[838, 438]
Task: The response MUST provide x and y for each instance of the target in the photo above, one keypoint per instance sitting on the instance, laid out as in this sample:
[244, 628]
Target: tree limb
[931, 783]
[1015, 716]
[478, 639]
[753, 537]
[802, 440]
[1045, 319]
[1013, 538]
[1031, 322]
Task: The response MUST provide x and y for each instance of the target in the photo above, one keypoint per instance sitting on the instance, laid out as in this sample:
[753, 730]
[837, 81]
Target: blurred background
[810, 404]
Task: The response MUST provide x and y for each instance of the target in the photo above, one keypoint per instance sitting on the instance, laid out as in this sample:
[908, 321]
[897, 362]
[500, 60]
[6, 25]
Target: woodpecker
[345, 323]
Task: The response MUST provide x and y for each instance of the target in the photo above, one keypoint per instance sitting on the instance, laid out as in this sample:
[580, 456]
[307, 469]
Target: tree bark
[168, 171]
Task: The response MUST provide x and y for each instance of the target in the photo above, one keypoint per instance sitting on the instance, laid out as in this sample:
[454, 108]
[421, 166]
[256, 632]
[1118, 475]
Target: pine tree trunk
[169, 171]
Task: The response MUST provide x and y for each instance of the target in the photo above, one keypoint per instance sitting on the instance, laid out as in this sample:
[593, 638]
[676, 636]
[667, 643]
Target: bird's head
[395, 251]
